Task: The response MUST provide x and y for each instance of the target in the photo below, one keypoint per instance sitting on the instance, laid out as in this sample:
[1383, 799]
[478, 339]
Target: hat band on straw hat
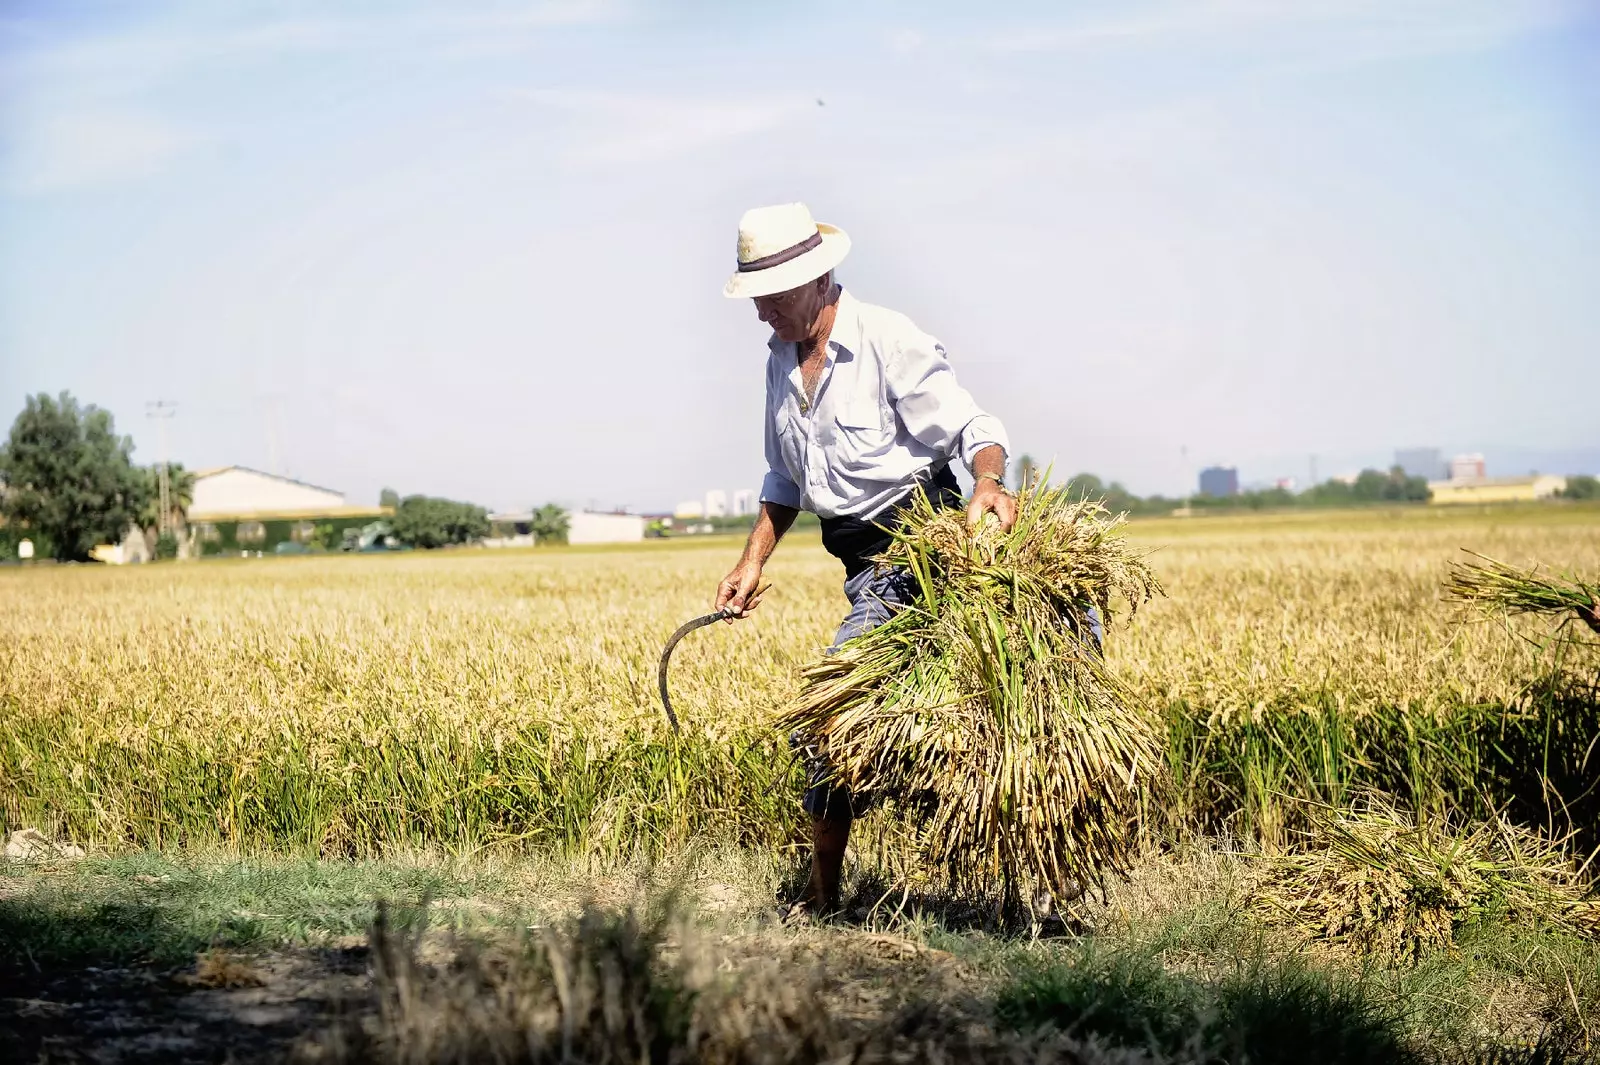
[778, 258]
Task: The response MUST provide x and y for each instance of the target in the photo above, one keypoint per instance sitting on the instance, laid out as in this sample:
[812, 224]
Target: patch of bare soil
[225, 1008]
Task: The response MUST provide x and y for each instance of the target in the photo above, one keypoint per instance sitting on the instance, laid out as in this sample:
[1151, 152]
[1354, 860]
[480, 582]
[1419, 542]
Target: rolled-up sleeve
[981, 432]
[777, 487]
[933, 406]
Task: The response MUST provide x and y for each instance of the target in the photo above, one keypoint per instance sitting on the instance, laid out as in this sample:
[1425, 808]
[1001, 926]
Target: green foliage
[166, 546]
[389, 498]
[1581, 486]
[150, 908]
[68, 475]
[1261, 1012]
[11, 535]
[550, 524]
[1370, 486]
[180, 485]
[423, 521]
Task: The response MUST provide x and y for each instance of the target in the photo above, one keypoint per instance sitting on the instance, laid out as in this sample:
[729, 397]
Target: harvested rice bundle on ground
[985, 704]
[1381, 882]
[1491, 584]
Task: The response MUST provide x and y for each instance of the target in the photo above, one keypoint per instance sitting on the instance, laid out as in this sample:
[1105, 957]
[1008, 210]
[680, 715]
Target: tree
[68, 475]
[551, 524]
[1088, 486]
[423, 521]
[389, 498]
[1581, 486]
[180, 486]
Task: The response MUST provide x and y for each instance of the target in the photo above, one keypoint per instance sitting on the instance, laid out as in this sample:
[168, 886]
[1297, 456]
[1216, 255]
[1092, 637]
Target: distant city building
[1467, 468]
[1422, 462]
[744, 502]
[1219, 481]
[691, 509]
[716, 504]
[1495, 489]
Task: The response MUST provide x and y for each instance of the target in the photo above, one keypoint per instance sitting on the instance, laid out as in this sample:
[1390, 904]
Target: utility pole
[1188, 481]
[162, 411]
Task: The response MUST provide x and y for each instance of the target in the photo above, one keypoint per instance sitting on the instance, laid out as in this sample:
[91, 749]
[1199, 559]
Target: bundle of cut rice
[1494, 585]
[1382, 881]
[986, 705]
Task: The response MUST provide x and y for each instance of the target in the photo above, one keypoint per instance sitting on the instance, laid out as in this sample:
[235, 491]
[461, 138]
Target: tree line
[68, 483]
[1368, 487]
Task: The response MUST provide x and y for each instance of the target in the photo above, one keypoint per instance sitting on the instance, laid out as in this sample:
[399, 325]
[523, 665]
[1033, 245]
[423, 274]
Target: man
[863, 409]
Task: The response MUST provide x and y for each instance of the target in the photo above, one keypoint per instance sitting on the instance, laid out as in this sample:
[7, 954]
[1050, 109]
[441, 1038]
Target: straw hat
[782, 247]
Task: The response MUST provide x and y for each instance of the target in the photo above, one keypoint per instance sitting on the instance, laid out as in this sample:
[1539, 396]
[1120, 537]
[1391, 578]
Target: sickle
[666, 655]
[683, 630]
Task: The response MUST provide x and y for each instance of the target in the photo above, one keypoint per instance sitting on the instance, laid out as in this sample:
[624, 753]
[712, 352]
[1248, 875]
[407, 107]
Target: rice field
[477, 699]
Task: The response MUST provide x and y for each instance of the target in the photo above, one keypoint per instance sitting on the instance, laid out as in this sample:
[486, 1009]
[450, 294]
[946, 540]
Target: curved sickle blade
[666, 655]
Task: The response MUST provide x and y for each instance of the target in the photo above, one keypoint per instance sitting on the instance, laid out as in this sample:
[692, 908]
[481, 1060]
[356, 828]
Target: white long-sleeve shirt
[887, 408]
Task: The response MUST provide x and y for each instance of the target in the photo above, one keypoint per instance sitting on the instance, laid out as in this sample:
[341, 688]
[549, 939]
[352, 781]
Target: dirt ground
[245, 1007]
[238, 1008]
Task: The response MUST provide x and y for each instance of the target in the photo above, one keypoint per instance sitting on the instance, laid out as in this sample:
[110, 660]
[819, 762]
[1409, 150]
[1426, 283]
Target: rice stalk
[1384, 882]
[985, 706]
[1493, 585]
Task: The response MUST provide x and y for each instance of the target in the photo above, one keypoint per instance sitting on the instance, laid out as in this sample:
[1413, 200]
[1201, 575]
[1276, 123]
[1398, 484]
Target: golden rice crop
[477, 698]
[986, 700]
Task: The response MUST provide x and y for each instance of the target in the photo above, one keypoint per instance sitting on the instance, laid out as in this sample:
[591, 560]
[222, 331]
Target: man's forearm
[773, 521]
[991, 460]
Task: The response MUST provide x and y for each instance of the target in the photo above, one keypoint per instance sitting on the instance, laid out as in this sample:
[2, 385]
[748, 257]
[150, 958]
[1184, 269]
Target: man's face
[791, 314]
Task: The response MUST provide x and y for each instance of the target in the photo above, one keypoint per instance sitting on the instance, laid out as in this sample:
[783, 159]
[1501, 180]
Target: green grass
[1266, 1012]
[158, 909]
[1203, 981]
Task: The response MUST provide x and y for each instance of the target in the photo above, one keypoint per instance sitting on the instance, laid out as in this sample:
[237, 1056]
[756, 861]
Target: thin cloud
[162, 53]
[1359, 31]
[634, 128]
[74, 150]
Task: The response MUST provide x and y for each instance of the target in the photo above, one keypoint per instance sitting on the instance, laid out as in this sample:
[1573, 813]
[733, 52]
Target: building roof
[239, 493]
[212, 471]
[290, 514]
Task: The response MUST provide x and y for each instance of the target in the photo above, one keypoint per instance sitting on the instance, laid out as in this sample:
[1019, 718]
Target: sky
[477, 250]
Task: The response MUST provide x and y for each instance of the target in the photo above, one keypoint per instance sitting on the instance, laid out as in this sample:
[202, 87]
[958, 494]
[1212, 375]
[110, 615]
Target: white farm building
[237, 508]
[515, 528]
[587, 527]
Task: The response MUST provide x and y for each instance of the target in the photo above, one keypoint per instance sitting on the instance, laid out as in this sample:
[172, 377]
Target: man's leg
[872, 598]
[830, 833]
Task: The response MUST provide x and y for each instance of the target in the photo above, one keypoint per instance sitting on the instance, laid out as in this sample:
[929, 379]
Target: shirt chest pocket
[864, 430]
[862, 409]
